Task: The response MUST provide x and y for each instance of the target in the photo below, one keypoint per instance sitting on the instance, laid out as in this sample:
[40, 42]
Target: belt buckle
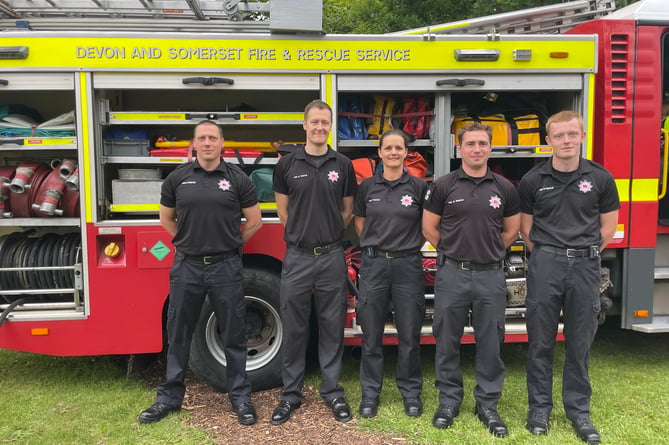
[571, 253]
[207, 260]
[465, 265]
[320, 250]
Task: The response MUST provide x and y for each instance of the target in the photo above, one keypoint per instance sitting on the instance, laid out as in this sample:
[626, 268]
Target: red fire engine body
[91, 121]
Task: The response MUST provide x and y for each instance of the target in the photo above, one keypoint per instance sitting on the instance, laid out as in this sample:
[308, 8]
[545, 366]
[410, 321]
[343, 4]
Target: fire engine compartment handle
[665, 163]
[12, 141]
[207, 80]
[213, 116]
[4, 82]
[460, 82]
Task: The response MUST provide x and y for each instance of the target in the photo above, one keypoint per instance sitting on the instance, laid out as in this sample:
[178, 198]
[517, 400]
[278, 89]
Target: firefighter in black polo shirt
[388, 209]
[201, 206]
[314, 188]
[569, 214]
[471, 216]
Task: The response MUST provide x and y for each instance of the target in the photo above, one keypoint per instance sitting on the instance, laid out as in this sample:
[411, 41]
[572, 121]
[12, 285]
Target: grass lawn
[629, 374]
[89, 400]
[79, 400]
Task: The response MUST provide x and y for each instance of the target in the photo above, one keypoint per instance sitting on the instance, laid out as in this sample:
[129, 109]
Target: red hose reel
[37, 189]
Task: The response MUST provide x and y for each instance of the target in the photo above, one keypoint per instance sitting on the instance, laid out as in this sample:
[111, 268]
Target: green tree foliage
[384, 16]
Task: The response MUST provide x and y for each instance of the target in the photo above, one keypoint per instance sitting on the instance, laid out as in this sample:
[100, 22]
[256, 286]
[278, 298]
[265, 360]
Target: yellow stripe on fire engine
[325, 54]
[645, 189]
[148, 116]
[642, 189]
[589, 118]
[248, 117]
[129, 208]
[436, 29]
[146, 208]
[49, 141]
[623, 186]
[329, 84]
[299, 117]
[84, 110]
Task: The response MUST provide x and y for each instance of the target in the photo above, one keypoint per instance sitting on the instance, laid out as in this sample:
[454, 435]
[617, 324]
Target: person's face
[475, 149]
[317, 125]
[208, 142]
[565, 138]
[392, 151]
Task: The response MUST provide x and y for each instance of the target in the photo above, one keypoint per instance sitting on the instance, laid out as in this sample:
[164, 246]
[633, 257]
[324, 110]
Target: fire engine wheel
[263, 330]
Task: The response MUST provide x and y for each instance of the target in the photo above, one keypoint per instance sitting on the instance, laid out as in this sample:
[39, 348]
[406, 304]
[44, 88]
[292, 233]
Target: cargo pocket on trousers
[360, 306]
[501, 330]
[436, 324]
[171, 314]
[240, 313]
[420, 303]
[240, 310]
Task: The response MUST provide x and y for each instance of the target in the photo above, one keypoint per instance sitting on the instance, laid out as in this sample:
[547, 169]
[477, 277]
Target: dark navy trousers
[398, 282]
[190, 283]
[324, 277]
[456, 291]
[558, 284]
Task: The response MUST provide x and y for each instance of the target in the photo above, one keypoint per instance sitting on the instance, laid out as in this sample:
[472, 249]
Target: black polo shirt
[392, 212]
[209, 206]
[472, 211]
[315, 194]
[566, 208]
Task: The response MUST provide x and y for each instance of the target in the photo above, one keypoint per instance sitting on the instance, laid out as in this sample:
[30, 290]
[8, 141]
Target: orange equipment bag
[364, 168]
[415, 164]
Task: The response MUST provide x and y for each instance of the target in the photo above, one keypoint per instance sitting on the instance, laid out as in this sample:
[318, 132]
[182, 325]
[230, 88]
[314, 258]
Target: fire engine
[98, 102]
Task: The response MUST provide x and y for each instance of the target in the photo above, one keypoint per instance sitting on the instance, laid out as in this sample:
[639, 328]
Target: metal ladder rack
[552, 19]
[134, 15]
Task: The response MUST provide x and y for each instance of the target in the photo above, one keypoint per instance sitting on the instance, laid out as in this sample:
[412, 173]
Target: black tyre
[264, 334]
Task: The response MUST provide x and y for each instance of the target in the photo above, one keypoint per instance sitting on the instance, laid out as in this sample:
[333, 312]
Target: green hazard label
[160, 250]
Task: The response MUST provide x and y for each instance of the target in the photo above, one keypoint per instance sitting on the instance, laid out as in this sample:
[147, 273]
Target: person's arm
[526, 221]
[281, 207]
[510, 227]
[359, 224]
[608, 223]
[253, 222]
[430, 226]
[347, 210]
[168, 219]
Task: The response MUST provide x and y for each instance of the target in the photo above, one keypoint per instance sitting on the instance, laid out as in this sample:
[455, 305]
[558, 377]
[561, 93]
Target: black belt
[373, 252]
[210, 259]
[588, 252]
[468, 265]
[316, 250]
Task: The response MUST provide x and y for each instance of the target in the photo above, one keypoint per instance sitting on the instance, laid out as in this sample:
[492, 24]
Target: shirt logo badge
[333, 176]
[224, 185]
[427, 194]
[406, 201]
[585, 186]
[495, 202]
